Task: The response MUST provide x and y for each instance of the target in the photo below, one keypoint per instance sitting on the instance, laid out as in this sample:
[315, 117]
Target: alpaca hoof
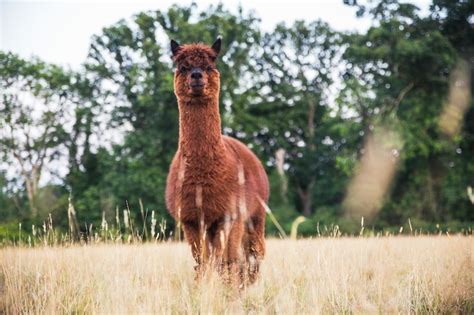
[198, 270]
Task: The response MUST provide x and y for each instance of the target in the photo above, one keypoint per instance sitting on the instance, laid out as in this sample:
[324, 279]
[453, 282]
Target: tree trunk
[311, 113]
[31, 181]
[280, 163]
[31, 193]
[305, 192]
[306, 198]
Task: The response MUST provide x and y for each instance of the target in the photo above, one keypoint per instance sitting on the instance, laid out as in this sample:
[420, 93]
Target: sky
[60, 31]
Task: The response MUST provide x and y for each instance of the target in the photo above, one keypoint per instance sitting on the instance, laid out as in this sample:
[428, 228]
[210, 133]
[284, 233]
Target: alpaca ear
[217, 45]
[175, 47]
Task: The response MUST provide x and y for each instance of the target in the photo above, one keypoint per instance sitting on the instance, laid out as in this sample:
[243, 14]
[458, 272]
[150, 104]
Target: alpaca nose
[196, 73]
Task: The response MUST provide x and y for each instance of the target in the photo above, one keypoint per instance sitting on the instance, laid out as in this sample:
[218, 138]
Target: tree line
[306, 98]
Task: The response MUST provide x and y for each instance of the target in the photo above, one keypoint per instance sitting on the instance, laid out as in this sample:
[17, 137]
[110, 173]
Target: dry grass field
[422, 274]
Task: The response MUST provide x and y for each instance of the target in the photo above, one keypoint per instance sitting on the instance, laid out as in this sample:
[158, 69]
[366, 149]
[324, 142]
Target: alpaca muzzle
[197, 88]
[196, 82]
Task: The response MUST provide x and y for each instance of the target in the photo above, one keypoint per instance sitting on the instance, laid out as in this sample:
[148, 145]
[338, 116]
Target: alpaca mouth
[197, 88]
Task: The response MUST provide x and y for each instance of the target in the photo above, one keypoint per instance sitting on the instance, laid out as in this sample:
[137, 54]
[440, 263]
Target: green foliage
[34, 110]
[287, 108]
[9, 232]
[304, 88]
[405, 62]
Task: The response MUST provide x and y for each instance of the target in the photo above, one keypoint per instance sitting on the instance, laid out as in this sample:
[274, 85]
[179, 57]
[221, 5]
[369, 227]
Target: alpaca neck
[200, 130]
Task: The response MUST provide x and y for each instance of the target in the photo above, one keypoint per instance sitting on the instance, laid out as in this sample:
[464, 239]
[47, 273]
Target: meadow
[391, 274]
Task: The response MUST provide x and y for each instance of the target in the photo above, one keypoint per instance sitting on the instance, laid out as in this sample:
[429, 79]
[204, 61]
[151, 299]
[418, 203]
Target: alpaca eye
[183, 69]
[209, 68]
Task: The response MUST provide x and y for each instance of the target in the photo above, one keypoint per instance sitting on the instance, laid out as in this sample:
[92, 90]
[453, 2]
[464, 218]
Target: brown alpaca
[216, 186]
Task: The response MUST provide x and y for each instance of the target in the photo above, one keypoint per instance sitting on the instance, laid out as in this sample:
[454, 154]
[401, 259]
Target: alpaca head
[196, 76]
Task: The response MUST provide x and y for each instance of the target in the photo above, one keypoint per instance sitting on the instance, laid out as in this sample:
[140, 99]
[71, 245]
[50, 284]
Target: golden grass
[326, 275]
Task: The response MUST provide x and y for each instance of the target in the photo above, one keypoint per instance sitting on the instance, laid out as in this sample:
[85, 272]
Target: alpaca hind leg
[255, 246]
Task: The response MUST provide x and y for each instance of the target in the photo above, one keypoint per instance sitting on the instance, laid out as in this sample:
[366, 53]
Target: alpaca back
[255, 179]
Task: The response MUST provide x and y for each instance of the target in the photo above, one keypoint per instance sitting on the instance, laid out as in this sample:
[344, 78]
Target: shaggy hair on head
[196, 52]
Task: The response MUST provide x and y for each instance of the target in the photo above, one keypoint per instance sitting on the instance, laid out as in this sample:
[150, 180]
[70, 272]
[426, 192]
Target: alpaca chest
[210, 202]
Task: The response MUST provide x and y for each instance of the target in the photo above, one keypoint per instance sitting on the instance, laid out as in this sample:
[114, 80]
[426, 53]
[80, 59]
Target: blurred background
[358, 109]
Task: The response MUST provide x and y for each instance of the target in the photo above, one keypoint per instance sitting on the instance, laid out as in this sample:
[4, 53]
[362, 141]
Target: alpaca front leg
[234, 252]
[221, 231]
[199, 245]
[219, 246]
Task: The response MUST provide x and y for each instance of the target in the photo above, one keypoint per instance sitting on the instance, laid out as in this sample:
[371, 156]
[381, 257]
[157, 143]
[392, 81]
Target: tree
[288, 106]
[405, 64]
[32, 118]
[453, 19]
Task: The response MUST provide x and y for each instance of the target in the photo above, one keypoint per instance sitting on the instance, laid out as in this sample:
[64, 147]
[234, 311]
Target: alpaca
[216, 187]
